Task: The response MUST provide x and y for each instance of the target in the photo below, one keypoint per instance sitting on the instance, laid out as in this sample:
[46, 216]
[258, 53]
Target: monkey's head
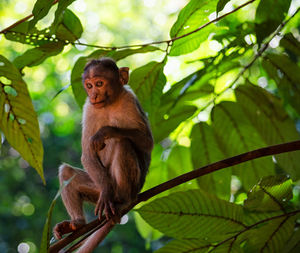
[103, 81]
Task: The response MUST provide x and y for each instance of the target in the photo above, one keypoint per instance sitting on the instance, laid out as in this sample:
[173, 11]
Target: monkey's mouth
[102, 102]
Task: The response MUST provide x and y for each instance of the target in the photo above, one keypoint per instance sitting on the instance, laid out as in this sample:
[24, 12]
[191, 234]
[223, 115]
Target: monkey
[116, 148]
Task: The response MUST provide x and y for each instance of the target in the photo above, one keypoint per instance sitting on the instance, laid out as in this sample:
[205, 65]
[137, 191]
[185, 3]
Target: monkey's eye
[99, 83]
[89, 85]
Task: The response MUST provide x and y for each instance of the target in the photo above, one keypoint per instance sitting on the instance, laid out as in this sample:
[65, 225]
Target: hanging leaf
[183, 246]
[40, 10]
[271, 236]
[36, 56]
[147, 82]
[267, 21]
[193, 214]
[270, 194]
[78, 68]
[286, 74]
[233, 127]
[206, 148]
[271, 122]
[18, 120]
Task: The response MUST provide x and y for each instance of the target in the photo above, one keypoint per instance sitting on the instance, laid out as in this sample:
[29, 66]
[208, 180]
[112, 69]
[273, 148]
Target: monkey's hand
[98, 141]
[105, 204]
[67, 226]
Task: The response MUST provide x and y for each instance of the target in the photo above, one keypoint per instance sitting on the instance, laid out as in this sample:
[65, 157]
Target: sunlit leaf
[18, 120]
[267, 21]
[193, 214]
[271, 122]
[206, 148]
[270, 194]
[233, 127]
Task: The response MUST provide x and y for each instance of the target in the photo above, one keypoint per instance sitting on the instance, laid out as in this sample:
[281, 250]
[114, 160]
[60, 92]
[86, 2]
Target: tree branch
[251, 155]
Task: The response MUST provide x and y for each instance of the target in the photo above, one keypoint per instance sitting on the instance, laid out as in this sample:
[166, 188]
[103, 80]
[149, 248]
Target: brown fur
[116, 148]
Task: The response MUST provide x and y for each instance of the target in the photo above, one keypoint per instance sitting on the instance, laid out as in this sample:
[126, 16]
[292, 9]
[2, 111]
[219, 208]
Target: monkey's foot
[67, 226]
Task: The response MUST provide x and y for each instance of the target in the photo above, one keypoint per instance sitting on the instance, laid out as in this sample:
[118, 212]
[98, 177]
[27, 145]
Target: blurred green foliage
[226, 89]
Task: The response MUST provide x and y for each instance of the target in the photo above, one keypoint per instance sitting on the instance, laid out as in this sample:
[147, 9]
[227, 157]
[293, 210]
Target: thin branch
[21, 21]
[262, 49]
[251, 155]
[145, 44]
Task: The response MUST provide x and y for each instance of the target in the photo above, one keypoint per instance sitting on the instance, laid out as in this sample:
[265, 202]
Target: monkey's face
[102, 87]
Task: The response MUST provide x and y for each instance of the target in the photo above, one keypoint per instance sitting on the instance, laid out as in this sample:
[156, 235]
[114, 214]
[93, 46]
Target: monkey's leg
[80, 188]
[126, 172]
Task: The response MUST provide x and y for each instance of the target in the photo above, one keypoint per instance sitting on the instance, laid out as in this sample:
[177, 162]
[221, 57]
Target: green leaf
[36, 56]
[221, 4]
[267, 21]
[18, 120]
[183, 246]
[191, 17]
[70, 28]
[34, 37]
[286, 74]
[147, 82]
[78, 68]
[192, 42]
[206, 148]
[40, 10]
[162, 126]
[293, 244]
[193, 214]
[59, 13]
[290, 43]
[194, 14]
[271, 236]
[233, 127]
[270, 194]
[271, 122]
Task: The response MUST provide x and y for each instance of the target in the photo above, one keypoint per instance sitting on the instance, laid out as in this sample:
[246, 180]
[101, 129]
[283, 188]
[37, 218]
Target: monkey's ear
[124, 76]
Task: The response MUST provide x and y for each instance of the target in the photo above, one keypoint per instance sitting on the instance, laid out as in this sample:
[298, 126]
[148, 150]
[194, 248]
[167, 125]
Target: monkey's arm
[141, 138]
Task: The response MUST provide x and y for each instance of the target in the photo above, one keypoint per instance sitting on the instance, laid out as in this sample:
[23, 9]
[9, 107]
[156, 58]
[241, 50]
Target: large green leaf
[267, 21]
[271, 236]
[286, 74]
[78, 68]
[206, 148]
[194, 14]
[40, 10]
[183, 246]
[233, 127]
[163, 125]
[191, 17]
[271, 122]
[291, 44]
[147, 82]
[193, 214]
[36, 56]
[270, 194]
[18, 120]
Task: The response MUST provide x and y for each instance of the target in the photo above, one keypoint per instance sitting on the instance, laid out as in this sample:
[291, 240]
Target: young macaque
[116, 148]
